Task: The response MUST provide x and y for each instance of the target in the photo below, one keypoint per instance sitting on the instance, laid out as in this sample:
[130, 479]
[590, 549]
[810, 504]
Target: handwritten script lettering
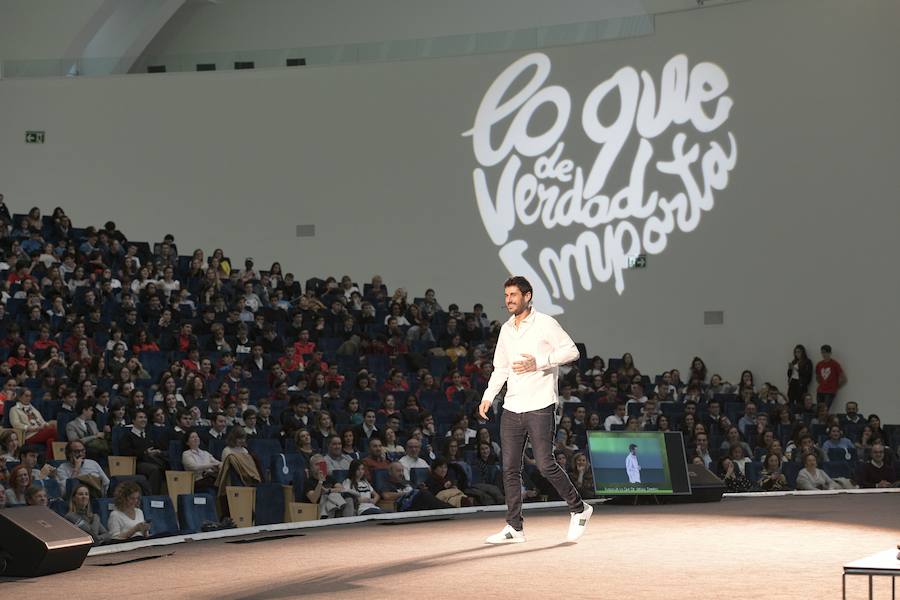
[526, 180]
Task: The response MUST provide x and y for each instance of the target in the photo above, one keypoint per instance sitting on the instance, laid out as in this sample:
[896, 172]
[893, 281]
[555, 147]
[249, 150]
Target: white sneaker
[578, 522]
[507, 535]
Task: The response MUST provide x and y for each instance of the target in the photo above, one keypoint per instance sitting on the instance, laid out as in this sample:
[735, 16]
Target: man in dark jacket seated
[151, 462]
[876, 473]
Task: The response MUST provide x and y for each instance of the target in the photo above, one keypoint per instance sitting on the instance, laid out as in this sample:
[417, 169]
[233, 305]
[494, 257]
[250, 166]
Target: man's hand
[483, 409]
[526, 365]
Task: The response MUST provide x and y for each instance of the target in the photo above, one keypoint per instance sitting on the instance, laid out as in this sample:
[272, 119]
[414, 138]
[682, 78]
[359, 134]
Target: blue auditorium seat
[269, 503]
[837, 468]
[160, 511]
[417, 476]
[790, 469]
[265, 450]
[839, 455]
[286, 466]
[196, 509]
[176, 448]
[104, 507]
[379, 478]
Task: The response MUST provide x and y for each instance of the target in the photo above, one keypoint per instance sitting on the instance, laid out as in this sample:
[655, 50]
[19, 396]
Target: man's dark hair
[632, 446]
[826, 348]
[438, 462]
[519, 282]
[82, 405]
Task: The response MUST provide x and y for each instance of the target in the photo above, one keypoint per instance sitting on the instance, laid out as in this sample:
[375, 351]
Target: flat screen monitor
[634, 463]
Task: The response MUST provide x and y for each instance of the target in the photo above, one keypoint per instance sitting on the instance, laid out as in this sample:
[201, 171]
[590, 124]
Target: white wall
[271, 24]
[797, 249]
[42, 29]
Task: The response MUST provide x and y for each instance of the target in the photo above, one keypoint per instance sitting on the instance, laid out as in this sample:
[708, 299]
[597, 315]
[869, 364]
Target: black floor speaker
[35, 541]
[705, 487]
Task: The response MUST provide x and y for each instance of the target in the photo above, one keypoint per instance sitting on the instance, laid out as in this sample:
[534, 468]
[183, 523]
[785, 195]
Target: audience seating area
[193, 339]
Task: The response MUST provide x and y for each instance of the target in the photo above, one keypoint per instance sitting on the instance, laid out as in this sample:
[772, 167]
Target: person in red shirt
[20, 356]
[71, 343]
[44, 342]
[830, 377]
[291, 361]
[186, 338]
[192, 361]
[458, 383]
[303, 345]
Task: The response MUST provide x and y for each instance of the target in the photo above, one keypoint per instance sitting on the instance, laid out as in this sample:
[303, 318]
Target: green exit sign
[637, 262]
[34, 137]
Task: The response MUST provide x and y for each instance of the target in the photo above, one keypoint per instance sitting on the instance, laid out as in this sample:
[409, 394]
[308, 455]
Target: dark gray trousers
[539, 426]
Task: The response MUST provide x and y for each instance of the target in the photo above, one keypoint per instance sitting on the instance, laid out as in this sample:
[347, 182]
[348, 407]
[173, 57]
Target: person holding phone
[530, 349]
[127, 520]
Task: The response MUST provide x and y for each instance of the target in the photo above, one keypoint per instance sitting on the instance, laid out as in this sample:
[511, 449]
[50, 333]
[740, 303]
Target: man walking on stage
[529, 351]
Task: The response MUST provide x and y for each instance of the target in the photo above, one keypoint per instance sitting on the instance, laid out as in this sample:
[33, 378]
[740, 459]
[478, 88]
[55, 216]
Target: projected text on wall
[525, 179]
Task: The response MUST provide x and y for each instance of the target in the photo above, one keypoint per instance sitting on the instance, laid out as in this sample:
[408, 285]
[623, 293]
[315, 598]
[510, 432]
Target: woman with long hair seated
[83, 517]
[582, 475]
[19, 481]
[365, 498]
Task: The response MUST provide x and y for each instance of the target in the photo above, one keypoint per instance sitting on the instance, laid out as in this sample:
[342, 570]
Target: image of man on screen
[632, 466]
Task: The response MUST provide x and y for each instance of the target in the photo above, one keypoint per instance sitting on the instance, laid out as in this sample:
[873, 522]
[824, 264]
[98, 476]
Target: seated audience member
[734, 480]
[733, 436]
[84, 469]
[443, 488]
[582, 475]
[36, 495]
[807, 446]
[702, 450]
[9, 446]
[323, 490]
[852, 415]
[391, 446]
[303, 442]
[150, 461]
[811, 477]
[19, 481]
[736, 454]
[336, 460]
[81, 516]
[357, 486]
[837, 441]
[127, 520]
[235, 443]
[398, 489]
[364, 431]
[28, 456]
[376, 459]
[198, 461]
[348, 444]
[617, 418]
[875, 473]
[771, 478]
[411, 459]
[24, 416]
[83, 428]
[864, 443]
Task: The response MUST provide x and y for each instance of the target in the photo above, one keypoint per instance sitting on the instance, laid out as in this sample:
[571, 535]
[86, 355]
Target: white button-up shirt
[542, 337]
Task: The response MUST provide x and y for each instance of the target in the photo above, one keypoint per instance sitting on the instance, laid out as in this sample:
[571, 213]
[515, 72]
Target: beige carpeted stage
[741, 548]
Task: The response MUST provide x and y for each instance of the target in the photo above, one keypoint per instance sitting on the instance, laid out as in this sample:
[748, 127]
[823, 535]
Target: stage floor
[764, 547]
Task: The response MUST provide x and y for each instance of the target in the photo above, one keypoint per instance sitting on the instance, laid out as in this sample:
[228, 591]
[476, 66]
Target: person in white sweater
[811, 477]
[127, 520]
